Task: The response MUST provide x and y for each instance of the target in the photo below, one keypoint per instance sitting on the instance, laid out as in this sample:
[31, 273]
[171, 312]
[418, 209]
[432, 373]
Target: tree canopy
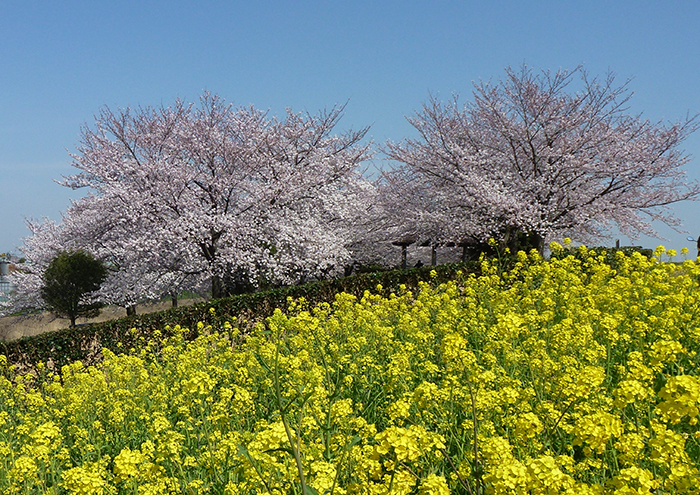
[185, 194]
[69, 285]
[188, 196]
[539, 155]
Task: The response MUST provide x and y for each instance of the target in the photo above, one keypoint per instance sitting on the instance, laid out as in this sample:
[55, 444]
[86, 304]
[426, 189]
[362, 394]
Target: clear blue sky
[60, 62]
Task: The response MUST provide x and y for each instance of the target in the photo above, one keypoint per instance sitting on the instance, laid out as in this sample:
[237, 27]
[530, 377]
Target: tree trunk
[131, 310]
[217, 287]
[537, 242]
[511, 240]
[517, 240]
[173, 297]
[433, 255]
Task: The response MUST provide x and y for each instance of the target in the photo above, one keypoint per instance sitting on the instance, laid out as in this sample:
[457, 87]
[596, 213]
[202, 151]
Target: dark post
[465, 245]
[404, 243]
[433, 255]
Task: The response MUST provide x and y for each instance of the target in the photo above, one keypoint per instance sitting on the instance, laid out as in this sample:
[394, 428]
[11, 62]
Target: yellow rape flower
[89, 479]
[595, 430]
[572, 343]
[630, 447]
[23, 469]
[667, 446]
[434, 484]
[399, 410]
[547, 477]
[634, 480]
[631, 391]
[408, 444]
[527, 425]
[322, 476]
[128, 463]
[681, 398]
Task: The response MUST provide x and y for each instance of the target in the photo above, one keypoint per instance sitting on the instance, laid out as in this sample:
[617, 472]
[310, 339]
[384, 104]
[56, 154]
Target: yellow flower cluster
[562, 376]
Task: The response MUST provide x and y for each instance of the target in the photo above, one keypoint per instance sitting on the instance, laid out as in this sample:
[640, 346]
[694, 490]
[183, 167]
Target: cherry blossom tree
[187, 195]
[417, 214]
[38, 250]
[537, 156]
[230, 194]
[360, 220]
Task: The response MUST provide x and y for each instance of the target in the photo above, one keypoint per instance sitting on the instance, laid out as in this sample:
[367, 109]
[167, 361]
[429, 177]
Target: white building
[5, 285]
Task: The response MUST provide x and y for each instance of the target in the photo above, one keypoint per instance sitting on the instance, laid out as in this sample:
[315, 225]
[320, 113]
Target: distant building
[5, 285]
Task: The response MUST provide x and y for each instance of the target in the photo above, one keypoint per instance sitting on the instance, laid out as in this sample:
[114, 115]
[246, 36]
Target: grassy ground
[15, 327]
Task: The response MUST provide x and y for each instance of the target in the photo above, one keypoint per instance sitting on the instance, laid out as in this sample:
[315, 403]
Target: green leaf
[262, 362]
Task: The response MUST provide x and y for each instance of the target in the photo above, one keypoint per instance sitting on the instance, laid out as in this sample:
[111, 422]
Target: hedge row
[85, 342]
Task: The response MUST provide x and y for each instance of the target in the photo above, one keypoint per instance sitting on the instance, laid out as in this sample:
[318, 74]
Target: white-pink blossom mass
[536, 156]
[194, 195]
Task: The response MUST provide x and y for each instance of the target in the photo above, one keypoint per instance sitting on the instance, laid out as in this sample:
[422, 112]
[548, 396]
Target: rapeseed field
[562, 376]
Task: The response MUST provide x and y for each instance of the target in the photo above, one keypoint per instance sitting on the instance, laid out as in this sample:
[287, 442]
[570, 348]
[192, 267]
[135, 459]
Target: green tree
[68, 282]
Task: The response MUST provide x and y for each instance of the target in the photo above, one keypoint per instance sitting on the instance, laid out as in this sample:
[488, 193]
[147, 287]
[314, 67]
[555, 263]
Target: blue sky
[60, 62]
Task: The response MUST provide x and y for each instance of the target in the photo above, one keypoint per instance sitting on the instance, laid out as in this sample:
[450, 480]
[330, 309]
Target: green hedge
[85, 342]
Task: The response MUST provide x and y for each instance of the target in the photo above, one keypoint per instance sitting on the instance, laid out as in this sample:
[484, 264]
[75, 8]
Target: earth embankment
[15, 327]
